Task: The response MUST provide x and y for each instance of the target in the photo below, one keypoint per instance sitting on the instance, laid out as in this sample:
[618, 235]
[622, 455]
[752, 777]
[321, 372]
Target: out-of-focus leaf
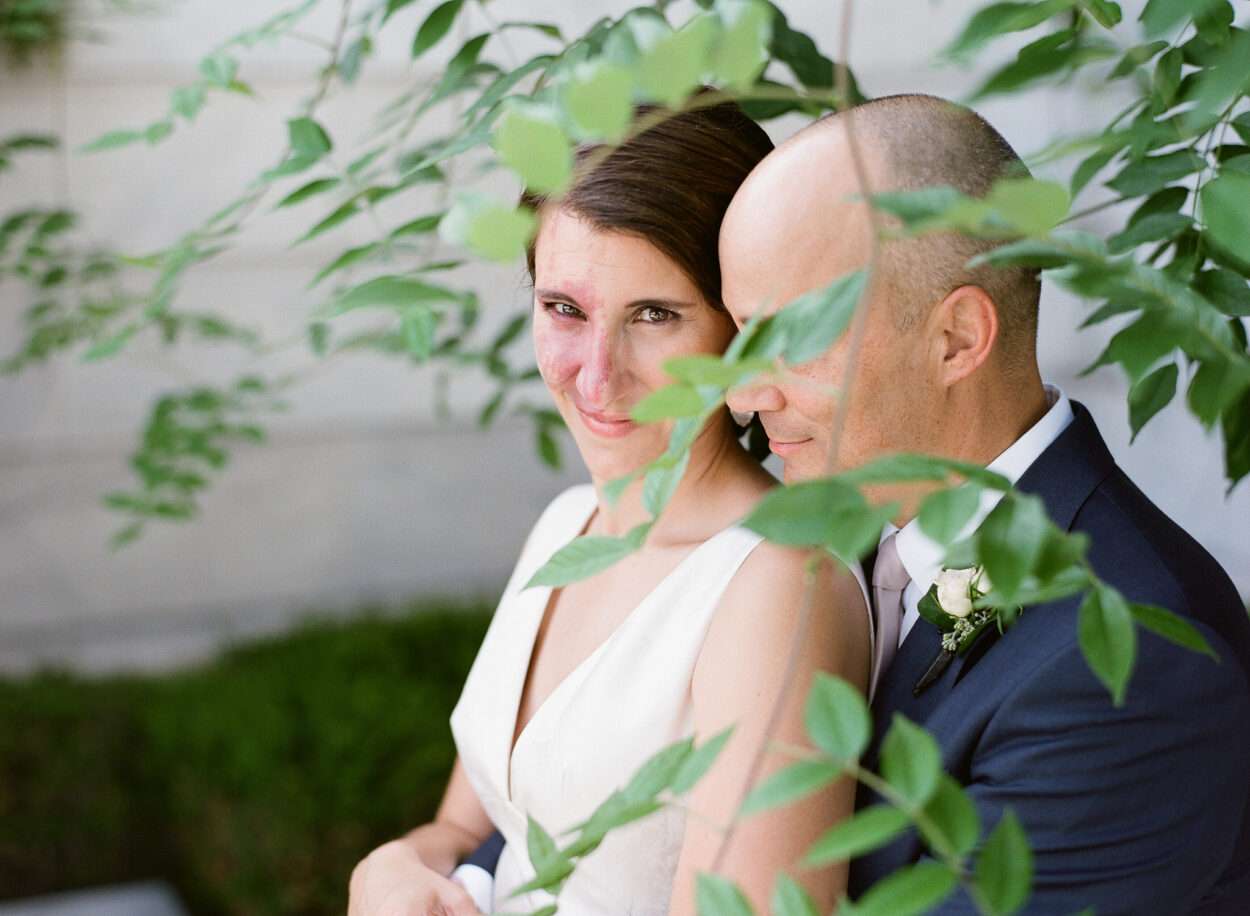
[1108, 639]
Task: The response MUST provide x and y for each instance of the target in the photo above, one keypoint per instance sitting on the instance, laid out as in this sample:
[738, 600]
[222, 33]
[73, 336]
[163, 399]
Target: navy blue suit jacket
[1137, 809]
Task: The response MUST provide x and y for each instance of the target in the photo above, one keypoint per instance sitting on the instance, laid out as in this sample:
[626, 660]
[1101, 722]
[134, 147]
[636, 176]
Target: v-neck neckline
[546, 593]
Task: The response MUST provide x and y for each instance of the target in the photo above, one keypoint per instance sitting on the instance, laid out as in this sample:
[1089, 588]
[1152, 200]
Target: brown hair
[670, 185]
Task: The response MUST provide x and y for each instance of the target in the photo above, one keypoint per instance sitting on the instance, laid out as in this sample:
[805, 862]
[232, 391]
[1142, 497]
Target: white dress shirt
[922, 556]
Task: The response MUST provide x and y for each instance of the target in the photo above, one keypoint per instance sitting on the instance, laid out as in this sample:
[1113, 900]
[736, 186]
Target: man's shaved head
[944, 344]
[920, 141]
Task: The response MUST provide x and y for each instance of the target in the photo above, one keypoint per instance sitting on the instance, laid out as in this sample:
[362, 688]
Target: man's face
[794, 227]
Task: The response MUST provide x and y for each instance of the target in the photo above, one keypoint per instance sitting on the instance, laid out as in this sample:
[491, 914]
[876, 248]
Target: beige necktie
[889, 578]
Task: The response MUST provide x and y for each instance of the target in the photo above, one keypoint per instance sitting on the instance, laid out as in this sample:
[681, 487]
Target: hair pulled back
[670, 185]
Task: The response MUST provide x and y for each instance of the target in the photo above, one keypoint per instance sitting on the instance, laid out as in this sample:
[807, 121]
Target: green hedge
[253, 784]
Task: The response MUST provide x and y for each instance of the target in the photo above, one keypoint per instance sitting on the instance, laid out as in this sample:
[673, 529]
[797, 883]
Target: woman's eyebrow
[673, 304]
[554, 294]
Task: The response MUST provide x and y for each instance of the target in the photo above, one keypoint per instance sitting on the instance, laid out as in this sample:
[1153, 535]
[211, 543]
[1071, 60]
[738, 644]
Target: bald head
[908, 142]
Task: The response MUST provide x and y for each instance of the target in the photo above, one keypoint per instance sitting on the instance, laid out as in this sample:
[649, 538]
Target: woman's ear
[969, 330]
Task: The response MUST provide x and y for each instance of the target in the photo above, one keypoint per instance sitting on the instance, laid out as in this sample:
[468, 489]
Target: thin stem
[774, 714]
[1090, 211]
[858, 333]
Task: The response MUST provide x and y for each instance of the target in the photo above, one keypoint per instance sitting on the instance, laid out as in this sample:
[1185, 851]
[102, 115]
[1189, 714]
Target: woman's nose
[597, 376]
[759, 395]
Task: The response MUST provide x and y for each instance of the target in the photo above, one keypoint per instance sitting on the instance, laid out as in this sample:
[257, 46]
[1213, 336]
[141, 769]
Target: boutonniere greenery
[950, 605]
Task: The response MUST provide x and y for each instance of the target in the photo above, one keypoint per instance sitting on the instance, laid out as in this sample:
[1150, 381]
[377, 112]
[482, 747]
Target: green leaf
[944, 514]
[909, 466]
[789, 899]
[1235, 428]
[1227, 291]
[353, 57]
[814, 321]
[790, 784]
[699, 762]
[705, 369]
[1000, 19]
[307, 138]
[1010, 540]
[548, 448]
[598, 99]
[673, 64]
[580, 559]
[741, 53]
[110, 345]
[1215, 386]
[1145, 176]
[660, 484]
[542, 849]
[219, 69]
[1105, 12]
[1172, 627]
[868, 829]
[417, 325]
[1151, 395]
[459, 68]
[1166, 81]
[530, 141]
[394, 6]
[308, 190]
[392, 292]
[910, 761]
[436, 25]
[348, 258]
[1004, 870]
[1140, 345]
[717, 896]
[1160, 16]
[1044, 57]
[188, 100]
[418, 226]
[951, 812]
[1227, 214]
[1108, 640]
[112, 140]
[824, 513]
[837, 718]
[1135, 56]
[669, 402]
[910, 891]
[494, 230]
[1158, 227]
[659, 771]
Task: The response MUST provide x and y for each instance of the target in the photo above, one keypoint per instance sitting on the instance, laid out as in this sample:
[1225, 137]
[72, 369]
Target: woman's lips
[782, 449]
[606, 425]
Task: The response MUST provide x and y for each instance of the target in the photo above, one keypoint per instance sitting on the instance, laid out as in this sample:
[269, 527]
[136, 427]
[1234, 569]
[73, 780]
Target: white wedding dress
[628, 699]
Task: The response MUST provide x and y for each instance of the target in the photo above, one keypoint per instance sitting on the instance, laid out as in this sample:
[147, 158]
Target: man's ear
[969, 329]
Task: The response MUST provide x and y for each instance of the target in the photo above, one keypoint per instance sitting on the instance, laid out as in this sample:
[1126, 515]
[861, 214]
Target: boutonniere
[950, 606]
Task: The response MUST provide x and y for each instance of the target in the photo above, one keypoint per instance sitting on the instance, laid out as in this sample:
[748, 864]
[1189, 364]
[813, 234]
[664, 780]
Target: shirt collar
[921, 556]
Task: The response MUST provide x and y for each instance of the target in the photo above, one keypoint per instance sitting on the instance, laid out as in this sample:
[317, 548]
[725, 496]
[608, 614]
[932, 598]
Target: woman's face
[609, 310]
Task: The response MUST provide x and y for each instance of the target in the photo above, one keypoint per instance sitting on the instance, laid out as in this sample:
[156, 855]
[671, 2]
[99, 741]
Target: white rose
[953, 591]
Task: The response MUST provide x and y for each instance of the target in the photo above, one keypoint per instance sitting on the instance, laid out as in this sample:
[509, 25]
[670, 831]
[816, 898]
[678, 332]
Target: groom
[1136, 809]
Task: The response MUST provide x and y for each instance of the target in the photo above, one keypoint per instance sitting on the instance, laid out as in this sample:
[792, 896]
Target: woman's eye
[563, 309]
[653, 314]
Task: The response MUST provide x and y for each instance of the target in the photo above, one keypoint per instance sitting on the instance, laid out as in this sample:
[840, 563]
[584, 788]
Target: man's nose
[759, 395]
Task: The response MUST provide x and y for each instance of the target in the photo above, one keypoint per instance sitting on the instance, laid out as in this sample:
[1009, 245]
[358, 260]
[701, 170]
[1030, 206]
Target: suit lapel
[1063, 477]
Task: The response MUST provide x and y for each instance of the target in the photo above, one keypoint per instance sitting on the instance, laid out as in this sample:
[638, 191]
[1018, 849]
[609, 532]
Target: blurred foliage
[254, 784]
[28, 27]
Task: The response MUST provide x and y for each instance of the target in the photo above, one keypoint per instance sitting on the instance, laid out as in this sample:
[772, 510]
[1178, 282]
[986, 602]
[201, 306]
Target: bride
[575, 687]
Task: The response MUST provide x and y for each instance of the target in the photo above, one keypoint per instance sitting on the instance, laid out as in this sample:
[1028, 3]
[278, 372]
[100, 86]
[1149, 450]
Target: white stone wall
[362, 493]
